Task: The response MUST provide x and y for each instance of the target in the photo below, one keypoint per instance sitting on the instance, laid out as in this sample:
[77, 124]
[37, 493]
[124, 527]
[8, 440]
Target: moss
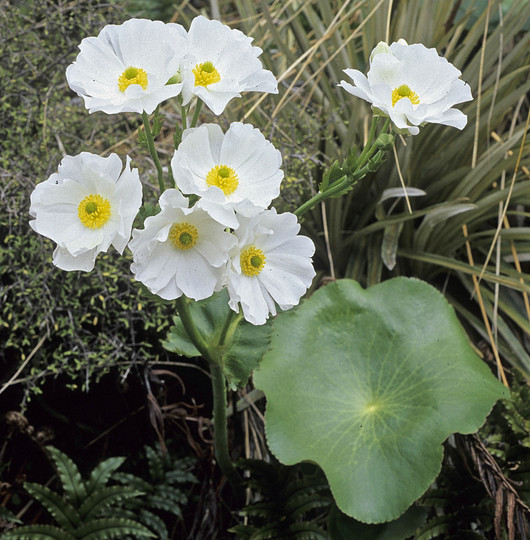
[68, 322]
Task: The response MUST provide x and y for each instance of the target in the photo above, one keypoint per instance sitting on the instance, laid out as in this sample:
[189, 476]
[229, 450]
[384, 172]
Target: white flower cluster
[228, 238]
[135, 66]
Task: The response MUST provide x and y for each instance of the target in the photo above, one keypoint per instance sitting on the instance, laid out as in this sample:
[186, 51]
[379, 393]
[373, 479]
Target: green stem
[184, 114]
[220, 430]
[361, 160]
[193, 332]
[198, 106]
[337, 187]
[152, 151]
[218, 388]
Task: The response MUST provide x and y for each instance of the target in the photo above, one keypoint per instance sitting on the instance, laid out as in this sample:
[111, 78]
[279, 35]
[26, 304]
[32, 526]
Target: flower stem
[198, 106]
[220, 430]
[184, 114]
[218, 388]
[361, 160]
[153, 152]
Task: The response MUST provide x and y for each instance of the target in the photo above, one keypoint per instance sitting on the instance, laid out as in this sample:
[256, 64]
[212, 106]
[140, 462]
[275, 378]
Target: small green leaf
[179, 342]
[142, 139]
[158, 121]
[368, 384]
[208, 315]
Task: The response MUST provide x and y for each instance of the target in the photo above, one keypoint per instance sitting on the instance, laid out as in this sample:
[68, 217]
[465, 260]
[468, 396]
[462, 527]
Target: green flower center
[402, 92]
[205, 74]
[94, 211]
[252, 261]
[132, 75]
[225, 178]
[183, 235]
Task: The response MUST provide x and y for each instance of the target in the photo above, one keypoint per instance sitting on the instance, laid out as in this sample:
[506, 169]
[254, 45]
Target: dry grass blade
[479, 91]
[484, 314]
[516, 170]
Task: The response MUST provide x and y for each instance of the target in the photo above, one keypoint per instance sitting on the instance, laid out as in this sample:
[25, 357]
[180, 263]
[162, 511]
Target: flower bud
[385, 141]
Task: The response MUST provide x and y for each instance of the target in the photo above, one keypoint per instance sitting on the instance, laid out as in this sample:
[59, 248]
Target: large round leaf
[368, 384]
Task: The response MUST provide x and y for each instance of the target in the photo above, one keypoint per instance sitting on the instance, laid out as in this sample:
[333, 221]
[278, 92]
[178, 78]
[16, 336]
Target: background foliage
[68, 322]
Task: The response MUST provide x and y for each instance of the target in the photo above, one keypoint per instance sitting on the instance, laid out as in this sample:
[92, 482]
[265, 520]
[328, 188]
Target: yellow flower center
[132, 75]
[252, 261]
[205, 74]
[402, 92]
[224, 178]
[94, 211]
[183, 235]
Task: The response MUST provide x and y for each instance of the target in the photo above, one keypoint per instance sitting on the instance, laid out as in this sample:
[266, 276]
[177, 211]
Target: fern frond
[155, 523]
[37, 532]
[108, 528]
[170, 493]
[156, 501]
[73, 485]
[134, 481]
[8, 517]
[102, 473]
[180, 477]
[271, 531]
[264, 509]
[104, 497]
[433, 528]
[242, 532]
[154, 463]
[296, 507]
[303, 486]
[307, 531]
[63, 512]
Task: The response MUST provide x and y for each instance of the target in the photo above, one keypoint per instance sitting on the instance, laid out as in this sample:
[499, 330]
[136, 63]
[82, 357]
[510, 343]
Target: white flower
[239, 170]
[412, 85]
[270, 264]
[89, 204]
[221, 64]
[180, 251]
[127, 67]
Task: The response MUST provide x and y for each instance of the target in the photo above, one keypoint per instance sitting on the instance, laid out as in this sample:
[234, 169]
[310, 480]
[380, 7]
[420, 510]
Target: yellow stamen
[252, 261]
[205, 74]
[132, 75]
[94, 211]
[183, 235]
[402, 92]
[224, 178]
